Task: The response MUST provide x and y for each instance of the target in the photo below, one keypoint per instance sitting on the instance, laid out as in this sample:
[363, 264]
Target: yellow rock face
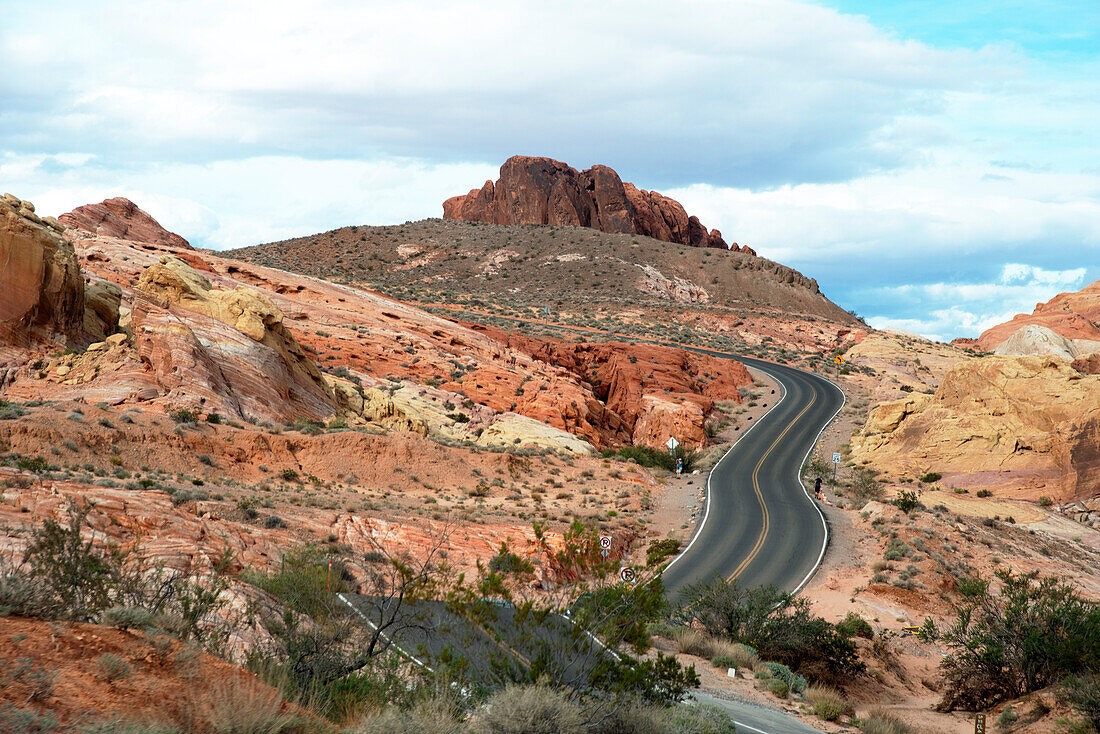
[1027, 422]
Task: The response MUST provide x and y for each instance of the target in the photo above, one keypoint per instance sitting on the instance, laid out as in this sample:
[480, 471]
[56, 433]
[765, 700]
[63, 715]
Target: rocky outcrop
[1028, 424]
[1034, 340]
[653, 391]
[536, 190]
[41, 290]
[123, 219]
[1074, 316]
[223, 351]
[1088, 364]
[102, 301]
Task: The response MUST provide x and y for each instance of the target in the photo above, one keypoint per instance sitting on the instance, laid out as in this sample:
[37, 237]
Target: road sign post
[672, 443]
[979, 724]
[836, 461]
[627, 575]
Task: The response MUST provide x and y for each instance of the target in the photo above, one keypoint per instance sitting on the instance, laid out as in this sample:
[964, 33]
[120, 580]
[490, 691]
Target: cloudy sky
[936, 169]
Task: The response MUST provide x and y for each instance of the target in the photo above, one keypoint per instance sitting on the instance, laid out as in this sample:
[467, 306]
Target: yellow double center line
[760, 496]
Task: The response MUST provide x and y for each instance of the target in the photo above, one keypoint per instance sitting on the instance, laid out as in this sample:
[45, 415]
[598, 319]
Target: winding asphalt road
[759, 525]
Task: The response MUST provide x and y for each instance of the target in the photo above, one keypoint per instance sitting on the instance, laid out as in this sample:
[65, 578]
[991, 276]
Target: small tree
[1035, 633]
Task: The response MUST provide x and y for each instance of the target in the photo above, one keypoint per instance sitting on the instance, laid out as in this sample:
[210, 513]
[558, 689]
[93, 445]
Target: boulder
[41, 289]
[101, 308]
[537, 190]
[1034, 340]
[511, 430]
[123, 219]
[223, 351]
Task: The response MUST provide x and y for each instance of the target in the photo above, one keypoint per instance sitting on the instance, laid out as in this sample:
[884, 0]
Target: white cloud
[234, 203]
[967, 309]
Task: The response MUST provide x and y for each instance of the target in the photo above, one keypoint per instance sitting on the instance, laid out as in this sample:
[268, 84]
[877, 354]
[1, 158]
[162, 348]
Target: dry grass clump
[880, 722]
[243, 707]
[726, 654]
[826, 703]
[690, 641]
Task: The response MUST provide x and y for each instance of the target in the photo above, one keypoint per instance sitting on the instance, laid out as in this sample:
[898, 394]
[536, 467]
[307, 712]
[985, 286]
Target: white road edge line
[706, 512]
[393, 644]
[798, 478]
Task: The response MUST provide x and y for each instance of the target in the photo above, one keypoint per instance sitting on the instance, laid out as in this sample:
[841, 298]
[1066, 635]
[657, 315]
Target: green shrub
[11, 411]
[661, 549]
[854, 625]
[931, 477]
[1036, 632]
[780, 627]
[650, 457]
[1084, 693]
[826, 703]
[907, 500]
[984, 493]
[778, 686]
[128, 618]
[25, 721]
[112, 667]
[794, 681]
[183, 415]
[1045, 501]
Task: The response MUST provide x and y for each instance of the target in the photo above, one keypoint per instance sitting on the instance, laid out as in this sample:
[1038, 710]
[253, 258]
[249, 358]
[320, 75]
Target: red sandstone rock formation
[41, 291]
[123, 219]
[654, 391]
[1072, 315]
[535, 190]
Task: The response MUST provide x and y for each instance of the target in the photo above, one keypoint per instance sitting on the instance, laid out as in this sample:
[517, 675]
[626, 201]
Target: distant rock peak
[537, 190]
[121, 218]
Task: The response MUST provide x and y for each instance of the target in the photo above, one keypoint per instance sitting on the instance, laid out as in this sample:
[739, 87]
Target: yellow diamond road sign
[839, 359]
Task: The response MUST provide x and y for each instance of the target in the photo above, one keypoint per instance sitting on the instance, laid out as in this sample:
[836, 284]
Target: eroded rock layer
[41, 291]
[123, 219]
[537, 190]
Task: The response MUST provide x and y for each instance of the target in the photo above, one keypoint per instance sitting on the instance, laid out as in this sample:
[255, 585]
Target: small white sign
[627, 575]
[605, 541]
[672, 443]
[836, 458]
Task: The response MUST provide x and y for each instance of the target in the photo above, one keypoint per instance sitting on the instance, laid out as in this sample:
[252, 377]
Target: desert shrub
[507, 562]
[184, 496]
[826, 703]
[430, 716]
[274, 522]
[972, 587]
[112, 667]
[865, 487]
[854, 625]
[1035, 633]
[650, 457]
[931, 477]
[778, 686]
[214, 418]
[530, 710]
[289, 475]
[984, 493]
[25, 721]
[907, 501]
[11, 411]
[1084, 693]
[128, 618]
[794, 681]
[879, 722]
[183, 415]
[780, 627]
[236, 707]
[661, 549]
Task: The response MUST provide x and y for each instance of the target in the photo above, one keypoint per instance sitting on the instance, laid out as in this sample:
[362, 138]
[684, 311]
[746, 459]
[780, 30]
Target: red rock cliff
[534, 190]
[123, 219]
